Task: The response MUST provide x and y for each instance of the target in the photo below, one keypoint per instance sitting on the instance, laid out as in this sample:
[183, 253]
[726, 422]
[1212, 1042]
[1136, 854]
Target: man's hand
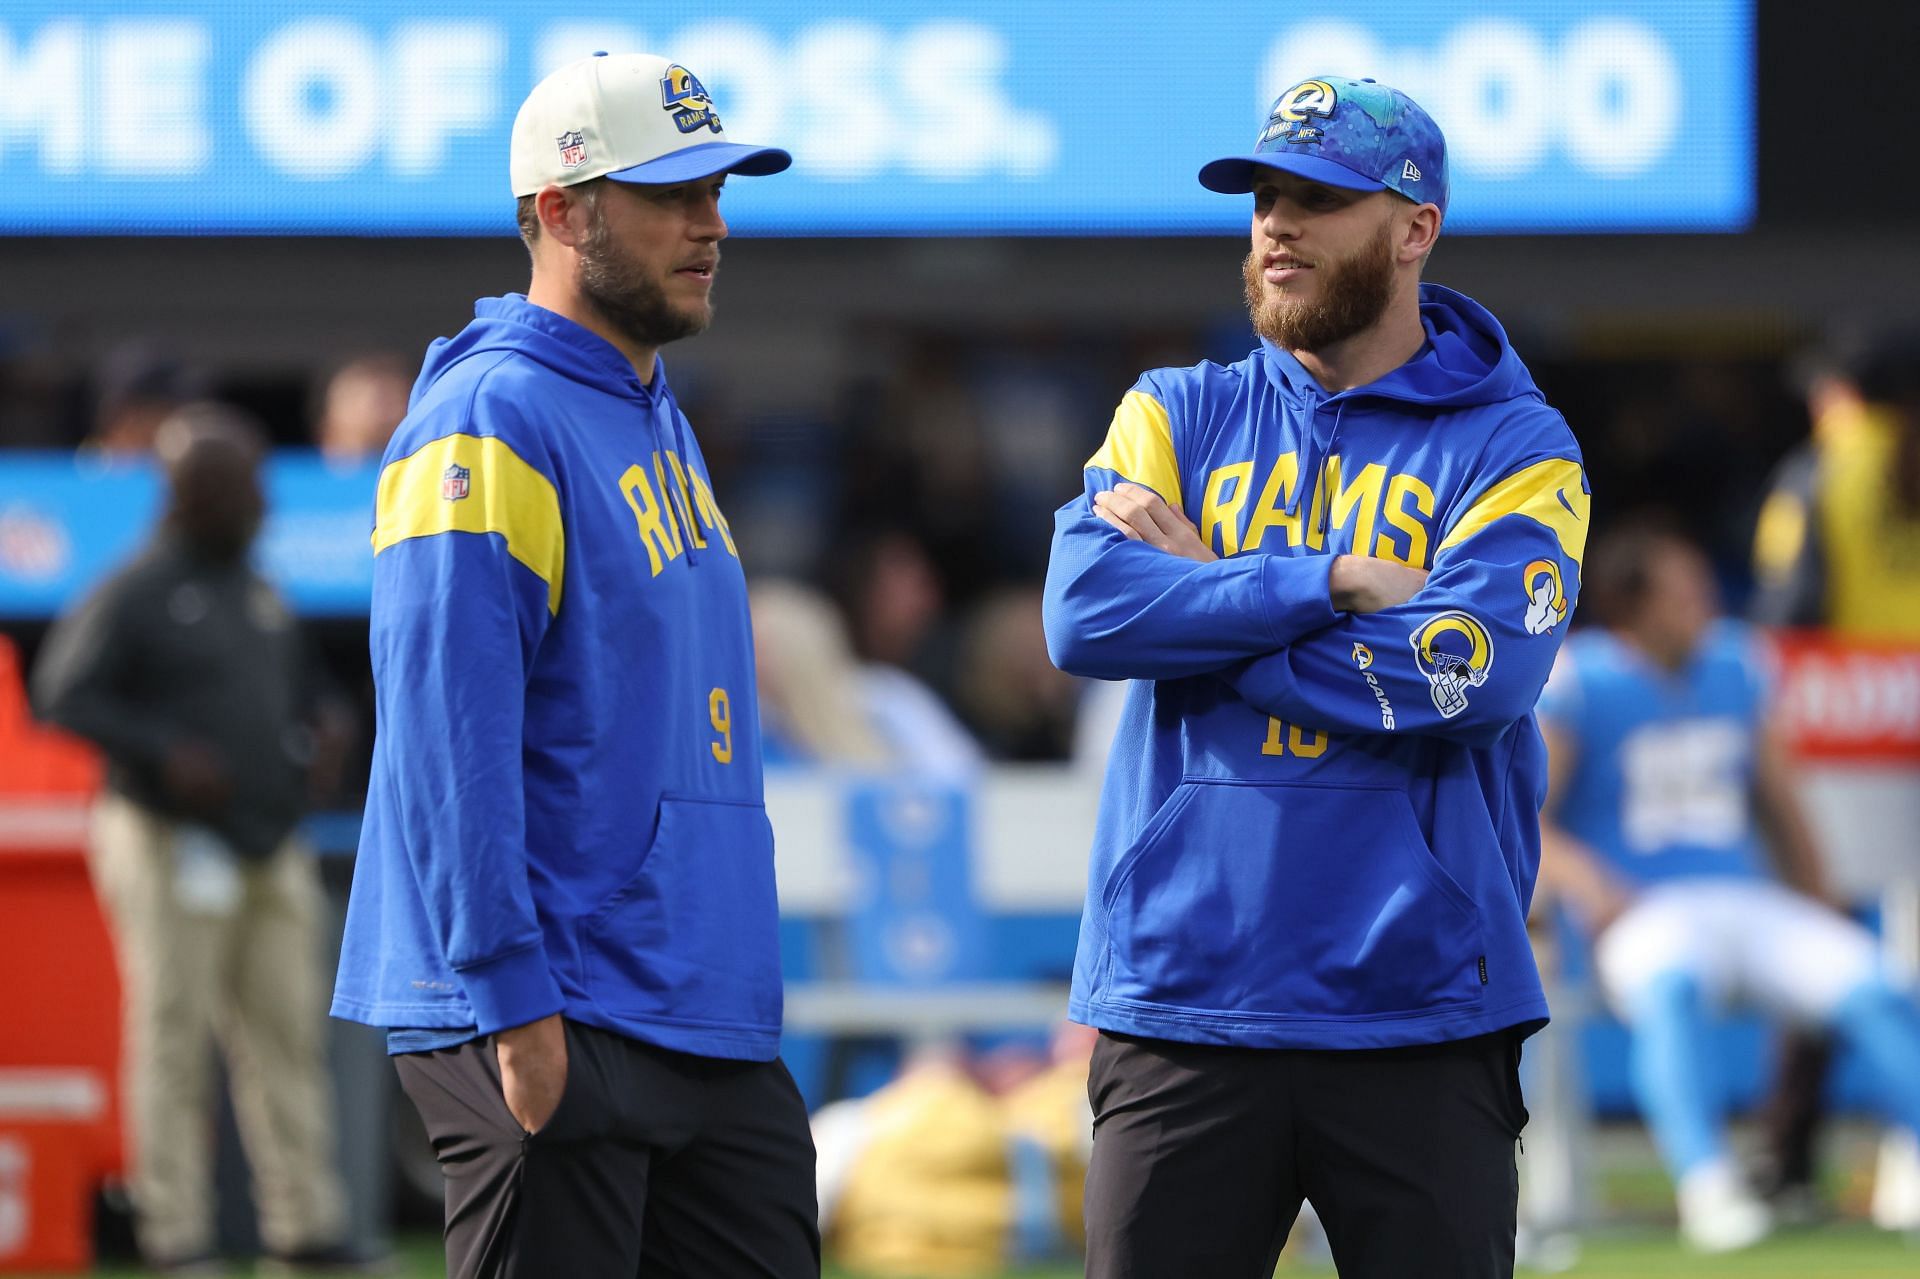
[533, 1070]
[1143, 516]
[195, 778]
[1362, 584]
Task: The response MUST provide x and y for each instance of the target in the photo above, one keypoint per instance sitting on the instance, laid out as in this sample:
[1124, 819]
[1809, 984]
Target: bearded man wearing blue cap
[563, 910]
[1337, 573]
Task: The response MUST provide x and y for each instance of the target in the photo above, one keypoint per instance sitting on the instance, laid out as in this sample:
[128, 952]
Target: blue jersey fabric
[1662, 774]
[565, 812]
[1321, 830]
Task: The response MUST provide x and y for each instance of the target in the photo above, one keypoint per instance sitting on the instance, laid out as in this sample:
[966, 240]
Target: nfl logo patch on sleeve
[456, 483]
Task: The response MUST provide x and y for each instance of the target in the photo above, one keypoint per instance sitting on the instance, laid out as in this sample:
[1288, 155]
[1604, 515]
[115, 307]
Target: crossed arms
[1322, 640]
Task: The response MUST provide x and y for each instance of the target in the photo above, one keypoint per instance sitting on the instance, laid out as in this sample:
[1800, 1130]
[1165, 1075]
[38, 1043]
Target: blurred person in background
[820, 706]
[1665, 772]
[135, 389]
[360, 405]
[187, 670]
[948, 1171]
[893, 599]
[1837, 546]
[563, 911]
[1021, 704]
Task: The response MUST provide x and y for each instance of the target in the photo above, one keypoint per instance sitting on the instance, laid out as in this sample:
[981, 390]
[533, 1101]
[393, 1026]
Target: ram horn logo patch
[682, 94]
[1455, 653]
[1293, 110]
[1546, 597]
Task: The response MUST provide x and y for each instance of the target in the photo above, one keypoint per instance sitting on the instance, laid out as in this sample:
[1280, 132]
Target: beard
[628, 298]
[1353, 297]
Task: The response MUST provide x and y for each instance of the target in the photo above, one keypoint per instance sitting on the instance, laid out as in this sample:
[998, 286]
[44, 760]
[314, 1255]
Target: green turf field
[1837, 1252]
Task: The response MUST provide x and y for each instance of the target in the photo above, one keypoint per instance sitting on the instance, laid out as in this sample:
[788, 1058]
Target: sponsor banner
[1847, 701]
[904, 116]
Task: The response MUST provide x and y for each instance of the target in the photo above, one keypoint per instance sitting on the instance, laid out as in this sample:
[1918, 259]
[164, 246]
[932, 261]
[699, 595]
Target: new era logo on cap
[632, 117]
[1410, 171]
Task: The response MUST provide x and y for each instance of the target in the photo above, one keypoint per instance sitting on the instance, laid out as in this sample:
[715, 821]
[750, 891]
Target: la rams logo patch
[1362, 656]
[682, 94]
[573, 149]
[1455, 653]
[456, 482]
[1294, 110]
[1546, 597]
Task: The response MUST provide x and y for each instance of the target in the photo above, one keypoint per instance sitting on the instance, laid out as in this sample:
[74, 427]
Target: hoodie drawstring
[1312, 472]
[678, 491]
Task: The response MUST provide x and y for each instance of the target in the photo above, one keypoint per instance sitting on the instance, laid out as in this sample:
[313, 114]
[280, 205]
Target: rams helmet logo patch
[1455, 653]
[1293, 109]
[1546, 597]
[682, 94]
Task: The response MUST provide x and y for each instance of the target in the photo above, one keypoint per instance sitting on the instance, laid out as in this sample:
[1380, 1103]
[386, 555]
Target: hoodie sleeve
[1119, 609]
[1466, 657]
[469, 566]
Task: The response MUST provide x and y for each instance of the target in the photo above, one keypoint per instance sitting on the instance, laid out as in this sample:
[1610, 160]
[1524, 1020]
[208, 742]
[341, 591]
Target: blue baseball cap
[1356, 134]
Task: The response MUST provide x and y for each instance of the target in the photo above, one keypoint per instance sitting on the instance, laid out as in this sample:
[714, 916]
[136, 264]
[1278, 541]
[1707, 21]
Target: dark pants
[1792, 1115]
[656, 1163]
[1202, 1155]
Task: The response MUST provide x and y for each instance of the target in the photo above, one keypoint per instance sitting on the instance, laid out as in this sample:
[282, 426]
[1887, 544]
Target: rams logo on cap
[1546, 597]
[1455, 653]
[1293, 109]
[682, 94]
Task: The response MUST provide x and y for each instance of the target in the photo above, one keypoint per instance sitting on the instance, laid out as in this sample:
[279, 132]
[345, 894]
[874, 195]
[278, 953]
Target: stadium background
[922, 333]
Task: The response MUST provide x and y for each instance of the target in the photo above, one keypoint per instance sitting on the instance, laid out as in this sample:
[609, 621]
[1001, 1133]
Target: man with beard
[563, 909]
[1305, 936]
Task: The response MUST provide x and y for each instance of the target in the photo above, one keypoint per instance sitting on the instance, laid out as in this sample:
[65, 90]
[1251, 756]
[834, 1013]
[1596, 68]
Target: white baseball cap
[632, 117]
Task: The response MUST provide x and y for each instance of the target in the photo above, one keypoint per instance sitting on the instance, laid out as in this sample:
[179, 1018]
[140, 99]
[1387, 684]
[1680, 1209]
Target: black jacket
[174, 647]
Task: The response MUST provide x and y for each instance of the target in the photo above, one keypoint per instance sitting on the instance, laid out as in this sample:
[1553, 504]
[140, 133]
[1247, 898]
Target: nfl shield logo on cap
[456, 483]
[573, 149]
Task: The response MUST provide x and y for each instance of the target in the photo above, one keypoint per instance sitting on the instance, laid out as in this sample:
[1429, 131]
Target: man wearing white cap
[563, 910]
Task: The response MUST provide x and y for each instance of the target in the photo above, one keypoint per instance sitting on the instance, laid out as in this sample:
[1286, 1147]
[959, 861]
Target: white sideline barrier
[1032, 826]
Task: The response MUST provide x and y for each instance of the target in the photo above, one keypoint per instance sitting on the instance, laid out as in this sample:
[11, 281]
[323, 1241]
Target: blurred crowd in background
[908, 530]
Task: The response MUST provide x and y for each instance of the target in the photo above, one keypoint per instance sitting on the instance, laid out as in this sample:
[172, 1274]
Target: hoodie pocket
[1289, 901]
[693, 937]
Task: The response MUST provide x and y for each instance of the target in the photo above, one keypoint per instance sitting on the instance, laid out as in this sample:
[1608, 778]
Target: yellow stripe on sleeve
[1548, 493]
[1139, 446]
[424, 495]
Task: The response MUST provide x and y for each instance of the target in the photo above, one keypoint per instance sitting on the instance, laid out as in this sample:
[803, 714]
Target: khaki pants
[244, 972]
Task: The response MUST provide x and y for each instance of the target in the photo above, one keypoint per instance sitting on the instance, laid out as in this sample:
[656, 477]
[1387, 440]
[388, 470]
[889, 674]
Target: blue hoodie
[565, 812]
[1319, 829]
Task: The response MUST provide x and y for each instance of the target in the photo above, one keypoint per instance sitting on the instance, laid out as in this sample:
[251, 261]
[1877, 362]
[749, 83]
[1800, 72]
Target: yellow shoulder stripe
[499, 493]
[1548, 493]
[1139, 446]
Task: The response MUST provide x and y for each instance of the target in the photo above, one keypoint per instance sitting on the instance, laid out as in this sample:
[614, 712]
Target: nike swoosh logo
[1562, 495]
